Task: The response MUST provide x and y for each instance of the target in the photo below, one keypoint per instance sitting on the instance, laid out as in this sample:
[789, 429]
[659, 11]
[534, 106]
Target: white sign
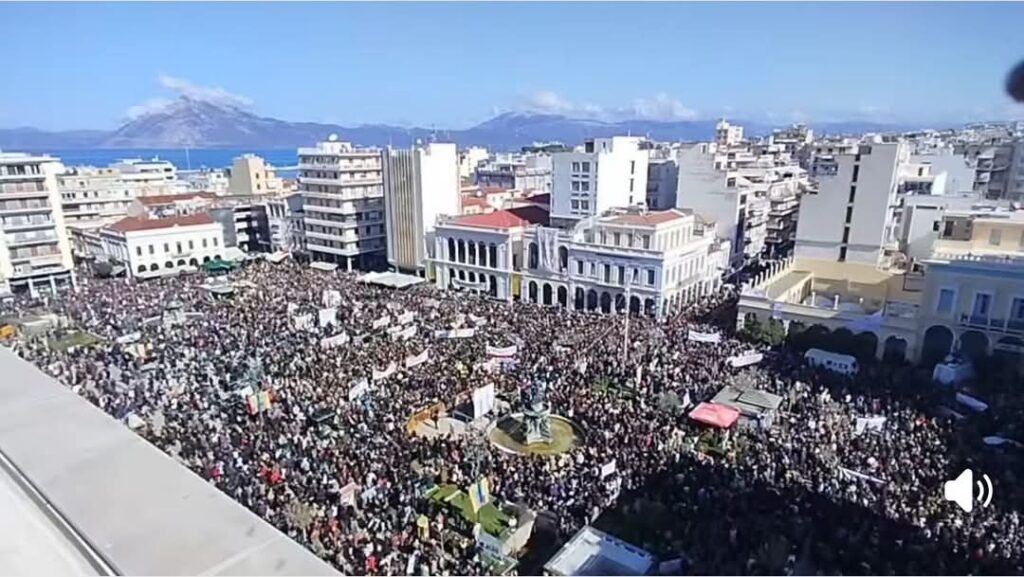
[744, 360]
[381, 375]
[335, 341]
[462, 333]
[302, 322]
[488, 544]
[483, 400]
[869, 424]
[419, 359]
[502, 351]
[382, 322]
[408, 333]
[330, 298]
[851, 474]
[406, 317]
[359, 389]
[700, 337]
[608, 469]
[478, 321]
[328, 316]
[128, 338]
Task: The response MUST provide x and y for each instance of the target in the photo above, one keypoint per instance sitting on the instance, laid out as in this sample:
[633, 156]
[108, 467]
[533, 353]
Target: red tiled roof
[511, 218]
[474, 201]
[130, 224]
[649, 219]
[158, 199]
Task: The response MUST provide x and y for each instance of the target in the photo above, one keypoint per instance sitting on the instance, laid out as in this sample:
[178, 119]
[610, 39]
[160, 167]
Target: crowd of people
[811, 491]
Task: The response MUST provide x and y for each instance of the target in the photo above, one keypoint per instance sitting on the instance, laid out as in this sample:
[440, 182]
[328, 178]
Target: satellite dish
[332, 138]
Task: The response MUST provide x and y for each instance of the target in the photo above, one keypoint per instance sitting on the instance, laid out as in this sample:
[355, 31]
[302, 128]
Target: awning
[392, 279]
[217, 266]
[277, 256]
[324, 266]
[715, 415]
[234, 254]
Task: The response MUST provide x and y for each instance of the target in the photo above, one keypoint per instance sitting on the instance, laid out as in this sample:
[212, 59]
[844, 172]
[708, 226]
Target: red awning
[719, 416]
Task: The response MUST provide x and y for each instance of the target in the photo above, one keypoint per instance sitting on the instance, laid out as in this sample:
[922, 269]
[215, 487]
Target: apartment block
[602, 174]
[342, 188]
[250, 174]
[420, 184]
[35, 255]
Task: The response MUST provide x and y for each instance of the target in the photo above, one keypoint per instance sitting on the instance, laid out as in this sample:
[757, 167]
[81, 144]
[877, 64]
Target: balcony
[991, 324]
[20, 226]
[15, 240]
[19, 177]
[334, 223]
[340, 181]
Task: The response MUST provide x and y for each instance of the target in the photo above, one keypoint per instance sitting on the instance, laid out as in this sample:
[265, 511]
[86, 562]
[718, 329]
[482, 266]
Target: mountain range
[195, 123]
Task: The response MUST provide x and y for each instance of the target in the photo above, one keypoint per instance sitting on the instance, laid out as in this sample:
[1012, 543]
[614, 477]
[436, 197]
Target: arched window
[563, 258]
[142, 268]
[472, 253]
[168, 264]
[492, 256]
[154, 267]
[451, 249]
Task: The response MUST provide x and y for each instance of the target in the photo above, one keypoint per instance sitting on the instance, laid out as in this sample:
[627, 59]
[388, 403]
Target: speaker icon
[964, 490]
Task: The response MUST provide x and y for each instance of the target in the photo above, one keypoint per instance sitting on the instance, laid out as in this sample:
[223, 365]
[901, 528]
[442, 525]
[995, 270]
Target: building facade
[285, 220]
[662, 183]
[250, 174]
[853, 203]
[35, 254]
[420, 184]
[343, 212]
[604, 173]
[95, 196]
[151, 247]
[652, 263]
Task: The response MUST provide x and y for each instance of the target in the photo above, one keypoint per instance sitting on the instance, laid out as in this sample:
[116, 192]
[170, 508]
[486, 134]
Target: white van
[836, 362]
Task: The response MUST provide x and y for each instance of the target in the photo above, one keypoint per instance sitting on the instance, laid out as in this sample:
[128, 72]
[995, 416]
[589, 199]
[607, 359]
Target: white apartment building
[420, 184]
[250, 174]
[734, 188]
[150, 247]
[526, 172]
[35, 254]
[662, 183]
[343, 190]
[652, 263]
[999, 168]
[469, 158]
[604, 173]
[728, 134]
[853, 202]
[484, 252]
[207, 180]
[94, 196]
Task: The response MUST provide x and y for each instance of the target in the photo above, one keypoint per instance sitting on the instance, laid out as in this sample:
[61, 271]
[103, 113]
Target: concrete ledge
[139, 509]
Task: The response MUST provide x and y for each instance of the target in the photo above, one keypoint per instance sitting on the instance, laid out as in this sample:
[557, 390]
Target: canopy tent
[218, 266]
[323, 266]
[594, 552]
[715, 415]
[758, 406]
[391, 279]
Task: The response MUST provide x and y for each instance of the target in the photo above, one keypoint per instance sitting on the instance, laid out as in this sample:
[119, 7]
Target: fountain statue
[537, 417]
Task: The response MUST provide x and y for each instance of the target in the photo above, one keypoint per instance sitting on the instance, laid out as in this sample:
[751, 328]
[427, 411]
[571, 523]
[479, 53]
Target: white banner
[417, 360]
[335, 341]
[128, 338]
[406, 318]
[851, 474]
[382, 322]
[483, 400]
[700, 337]
[358, 390]
[330, 298]
[745, 359]
[302, 322]
[381, 375]
[462, 333]
[478, 321]
[328, 316]
[407, 333]
[292, 307]
[608, 469]
[868, 424]
[459, 321]
[465, 284]
[502, 351]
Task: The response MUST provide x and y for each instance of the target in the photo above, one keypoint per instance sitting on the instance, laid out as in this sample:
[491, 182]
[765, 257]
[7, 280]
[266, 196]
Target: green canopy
[218, 266]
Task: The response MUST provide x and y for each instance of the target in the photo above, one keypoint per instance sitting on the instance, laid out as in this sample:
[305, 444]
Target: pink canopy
[719, 416]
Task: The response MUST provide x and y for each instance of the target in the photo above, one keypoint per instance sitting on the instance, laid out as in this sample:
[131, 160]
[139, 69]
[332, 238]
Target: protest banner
[744, 360]
[701, 337]
[382, 322]
[387, 372]
[509, 351]
[415, 360]
[328, 316]
[335, 341]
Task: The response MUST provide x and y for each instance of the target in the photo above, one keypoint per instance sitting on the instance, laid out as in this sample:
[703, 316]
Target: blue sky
[453, 65]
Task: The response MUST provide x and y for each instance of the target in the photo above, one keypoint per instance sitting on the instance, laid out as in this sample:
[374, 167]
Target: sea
[182, 159]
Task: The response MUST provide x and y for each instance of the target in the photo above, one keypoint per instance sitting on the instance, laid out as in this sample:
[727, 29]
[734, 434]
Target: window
[138, 250]
[1017, 309]
[585, 186]
[982, 304]
[167, 248]
[575, 186]
[947, 298]
[608, 273]
[584, 205]
[616, 238]
[575, 167]
[632, 168]
[995, 236]
[631, 185]
[948, 229]
[204, 243]
[579, 267]
[151, 251]
[593, 269]
[215, 241]
[586, 167]
[575, 204]
[935, 226]
[646, 240]
[622, 275]
[650, 276]
[179, 247]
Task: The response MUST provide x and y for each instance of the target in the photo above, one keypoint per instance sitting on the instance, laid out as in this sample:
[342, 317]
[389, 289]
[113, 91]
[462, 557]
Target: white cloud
[660, 107]
[212, 94]
[184, 88]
